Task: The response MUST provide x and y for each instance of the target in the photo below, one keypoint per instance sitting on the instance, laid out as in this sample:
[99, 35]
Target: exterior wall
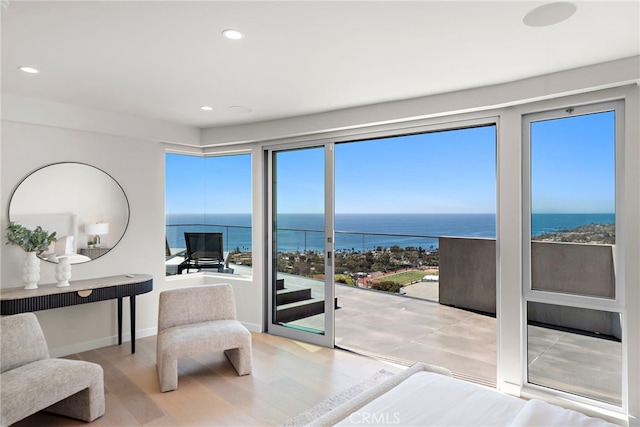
[468, 280]
[573, 268]
[468, 274]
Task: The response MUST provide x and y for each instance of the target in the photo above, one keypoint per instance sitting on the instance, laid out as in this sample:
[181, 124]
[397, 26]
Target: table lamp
[96, 229]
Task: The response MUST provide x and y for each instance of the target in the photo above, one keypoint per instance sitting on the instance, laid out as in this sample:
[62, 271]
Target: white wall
[360, 119]
[37, 133]
[138, 166]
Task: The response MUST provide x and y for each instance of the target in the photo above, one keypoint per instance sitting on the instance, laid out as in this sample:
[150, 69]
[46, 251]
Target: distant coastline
[363, 232]
[601, 234]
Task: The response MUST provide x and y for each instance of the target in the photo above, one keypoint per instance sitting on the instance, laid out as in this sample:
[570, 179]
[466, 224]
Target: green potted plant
[32, 242]
[36, 240]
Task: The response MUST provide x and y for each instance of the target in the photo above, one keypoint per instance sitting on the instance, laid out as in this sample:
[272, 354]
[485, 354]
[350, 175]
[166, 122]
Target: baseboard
[103, 342]
[83, 346]
[126, 337]
[252, 327]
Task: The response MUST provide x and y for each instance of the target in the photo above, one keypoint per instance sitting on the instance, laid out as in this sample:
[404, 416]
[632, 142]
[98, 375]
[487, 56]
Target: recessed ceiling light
[233, 34]
[549, 14]
[240, 109]
[206, 108]
[29, 70]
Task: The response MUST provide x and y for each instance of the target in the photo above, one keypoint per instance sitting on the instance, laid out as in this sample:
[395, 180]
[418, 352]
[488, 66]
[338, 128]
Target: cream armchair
[199, 320]
[32, 381]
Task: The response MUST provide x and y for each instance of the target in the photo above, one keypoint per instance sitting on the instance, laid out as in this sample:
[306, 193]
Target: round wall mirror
[84, 205]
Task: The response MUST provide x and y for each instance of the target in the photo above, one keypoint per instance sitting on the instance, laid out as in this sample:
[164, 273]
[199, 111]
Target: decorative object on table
[96, 229]
[32, 242]
[31, 271]
[63, 271]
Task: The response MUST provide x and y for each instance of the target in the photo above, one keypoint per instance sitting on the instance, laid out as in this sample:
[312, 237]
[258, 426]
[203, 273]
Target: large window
[573, 297]
[212, 195]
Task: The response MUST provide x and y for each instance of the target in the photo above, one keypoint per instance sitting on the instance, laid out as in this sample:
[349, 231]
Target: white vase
[63, 271]
[31, 271]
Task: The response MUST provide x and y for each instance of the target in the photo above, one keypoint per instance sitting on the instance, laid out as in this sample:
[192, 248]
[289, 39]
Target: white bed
[424, 395]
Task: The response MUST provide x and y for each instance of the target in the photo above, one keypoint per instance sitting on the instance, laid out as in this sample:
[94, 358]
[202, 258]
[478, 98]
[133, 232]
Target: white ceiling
[164, 59]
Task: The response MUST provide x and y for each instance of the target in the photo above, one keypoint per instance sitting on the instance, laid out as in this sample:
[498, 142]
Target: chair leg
[86, 405]
[167, 373]
[240, 358]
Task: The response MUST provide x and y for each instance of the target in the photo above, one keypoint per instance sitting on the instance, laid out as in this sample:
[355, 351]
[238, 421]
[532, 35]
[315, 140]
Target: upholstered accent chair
[199, 320]
[32, 381]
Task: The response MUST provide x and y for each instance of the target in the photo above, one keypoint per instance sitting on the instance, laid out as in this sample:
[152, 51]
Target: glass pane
[298, 232]
[575, 350]
[573, 205]
[197, 200]
[415, 266]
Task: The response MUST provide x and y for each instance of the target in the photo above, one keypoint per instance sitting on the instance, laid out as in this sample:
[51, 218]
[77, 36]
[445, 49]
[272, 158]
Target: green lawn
[405, 277]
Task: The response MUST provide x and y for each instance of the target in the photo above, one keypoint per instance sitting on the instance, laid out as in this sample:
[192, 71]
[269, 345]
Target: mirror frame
[107, 176]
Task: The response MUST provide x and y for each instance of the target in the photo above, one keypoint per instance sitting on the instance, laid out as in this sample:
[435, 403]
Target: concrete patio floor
[407, 329]
[411, 330]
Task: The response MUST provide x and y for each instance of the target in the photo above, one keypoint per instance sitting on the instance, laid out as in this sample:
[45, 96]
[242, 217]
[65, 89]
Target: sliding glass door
[301, 244]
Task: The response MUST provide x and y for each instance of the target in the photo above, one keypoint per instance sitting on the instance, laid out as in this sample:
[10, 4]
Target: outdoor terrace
[450, 322]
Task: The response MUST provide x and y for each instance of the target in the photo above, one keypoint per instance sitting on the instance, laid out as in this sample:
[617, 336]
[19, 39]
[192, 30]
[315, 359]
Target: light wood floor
[288, 378]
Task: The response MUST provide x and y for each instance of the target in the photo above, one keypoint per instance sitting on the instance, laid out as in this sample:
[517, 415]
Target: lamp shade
[97, 228]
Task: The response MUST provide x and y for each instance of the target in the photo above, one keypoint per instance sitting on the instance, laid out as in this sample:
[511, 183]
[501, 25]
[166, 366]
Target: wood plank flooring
[288, 378]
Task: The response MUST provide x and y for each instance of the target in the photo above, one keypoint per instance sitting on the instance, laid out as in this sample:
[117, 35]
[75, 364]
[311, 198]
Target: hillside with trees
[602, 234]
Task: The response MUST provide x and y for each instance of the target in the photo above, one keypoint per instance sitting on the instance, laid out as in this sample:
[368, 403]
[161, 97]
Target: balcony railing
[236, 243]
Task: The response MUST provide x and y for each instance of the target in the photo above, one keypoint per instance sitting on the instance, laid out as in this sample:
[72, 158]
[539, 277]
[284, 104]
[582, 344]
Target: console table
[46, 297]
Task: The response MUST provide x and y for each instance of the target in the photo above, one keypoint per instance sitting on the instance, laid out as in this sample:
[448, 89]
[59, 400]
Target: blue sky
[441, 172]
[208, 184]
[573, 164]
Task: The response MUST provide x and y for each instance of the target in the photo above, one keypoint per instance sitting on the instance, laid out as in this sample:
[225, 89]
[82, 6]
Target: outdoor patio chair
[204, 251]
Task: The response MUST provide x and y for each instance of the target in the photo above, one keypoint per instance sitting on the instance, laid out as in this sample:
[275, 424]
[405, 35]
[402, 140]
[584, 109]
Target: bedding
[442, 400]
[426, 395]
[538, 413]
[73, 258]
[64, 246]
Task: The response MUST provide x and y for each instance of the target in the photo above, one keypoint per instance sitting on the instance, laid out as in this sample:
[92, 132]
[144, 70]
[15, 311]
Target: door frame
[327, 339]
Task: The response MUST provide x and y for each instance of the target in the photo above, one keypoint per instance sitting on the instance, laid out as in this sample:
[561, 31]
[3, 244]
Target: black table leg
[132, 305]
[120, 321]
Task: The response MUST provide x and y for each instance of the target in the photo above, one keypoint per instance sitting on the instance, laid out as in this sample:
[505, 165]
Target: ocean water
[363, 232]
